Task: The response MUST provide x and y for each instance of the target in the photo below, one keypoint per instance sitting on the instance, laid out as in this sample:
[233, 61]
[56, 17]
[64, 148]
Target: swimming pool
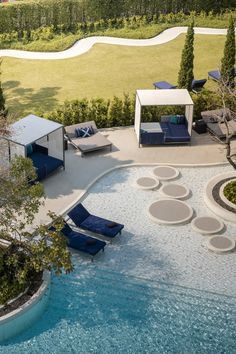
[155, 289]
[100, 311]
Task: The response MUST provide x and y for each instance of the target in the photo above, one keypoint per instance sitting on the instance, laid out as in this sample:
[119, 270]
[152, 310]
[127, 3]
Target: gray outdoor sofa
[215, 122]
[94, 142]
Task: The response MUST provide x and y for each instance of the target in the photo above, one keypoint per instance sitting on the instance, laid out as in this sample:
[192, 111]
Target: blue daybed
[83, 219]
[43, 163]
[170, 129]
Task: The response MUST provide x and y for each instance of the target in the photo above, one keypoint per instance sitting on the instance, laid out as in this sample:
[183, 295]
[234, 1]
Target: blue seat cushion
[44, 164]
[85, 243]
[175, 132]
[101, 226]
[164, 85]
[214, 74]
[198, 84]
[78, 214]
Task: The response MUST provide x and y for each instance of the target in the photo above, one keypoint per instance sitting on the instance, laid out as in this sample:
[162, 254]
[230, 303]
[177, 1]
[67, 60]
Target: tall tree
[185, 76]
[2, 99]
[228, 60]
[25, 253]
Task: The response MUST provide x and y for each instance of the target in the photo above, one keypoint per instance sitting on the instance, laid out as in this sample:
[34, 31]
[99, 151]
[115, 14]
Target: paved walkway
[63, 188]
[84, 45]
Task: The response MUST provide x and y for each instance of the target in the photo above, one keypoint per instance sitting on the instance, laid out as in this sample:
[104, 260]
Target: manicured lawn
[107, 70]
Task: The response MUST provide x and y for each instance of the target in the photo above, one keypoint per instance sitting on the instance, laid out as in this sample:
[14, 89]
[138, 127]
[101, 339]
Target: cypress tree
[228, 60]
[185, 76]
[2, 99]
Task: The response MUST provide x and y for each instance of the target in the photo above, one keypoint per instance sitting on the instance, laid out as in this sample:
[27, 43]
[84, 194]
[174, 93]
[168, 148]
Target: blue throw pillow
[181, 119]
[29, 149]
[174, 120]
[84, 132]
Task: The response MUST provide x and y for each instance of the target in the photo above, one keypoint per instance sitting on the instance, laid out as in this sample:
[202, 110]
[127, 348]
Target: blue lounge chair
[215, 74]
[197, 85]
[83, 219]
[81, 242]
[163, 85]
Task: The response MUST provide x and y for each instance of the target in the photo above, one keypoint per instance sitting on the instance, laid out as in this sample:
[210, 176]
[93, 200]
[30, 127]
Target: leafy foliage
[120, 112]
[185, 76]
[30, 250]
[228, 60]
[230, 191]
[34, 20]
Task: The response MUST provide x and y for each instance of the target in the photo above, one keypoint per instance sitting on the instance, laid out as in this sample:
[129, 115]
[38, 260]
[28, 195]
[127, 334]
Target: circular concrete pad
[221, 244]
[170, 211]
[147, 183]
[165, 173]
[207, 225]
[174, 190]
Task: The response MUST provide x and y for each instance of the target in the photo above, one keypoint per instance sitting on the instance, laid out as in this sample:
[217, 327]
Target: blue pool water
[96, 310]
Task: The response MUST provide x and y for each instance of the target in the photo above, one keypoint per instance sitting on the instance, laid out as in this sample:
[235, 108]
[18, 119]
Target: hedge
[120, 111]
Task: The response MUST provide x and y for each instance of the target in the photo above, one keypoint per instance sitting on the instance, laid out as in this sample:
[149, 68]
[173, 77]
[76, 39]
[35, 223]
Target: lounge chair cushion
[197, 85]
[80, 241]
[85, 243]
[214, 74]
[78, 214]
[164, 85]
[99, 225]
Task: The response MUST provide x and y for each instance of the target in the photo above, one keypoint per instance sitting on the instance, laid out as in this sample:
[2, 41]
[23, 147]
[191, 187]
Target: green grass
[106, 70]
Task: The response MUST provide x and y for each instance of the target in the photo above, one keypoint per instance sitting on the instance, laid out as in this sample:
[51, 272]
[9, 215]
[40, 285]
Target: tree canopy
[30, 249]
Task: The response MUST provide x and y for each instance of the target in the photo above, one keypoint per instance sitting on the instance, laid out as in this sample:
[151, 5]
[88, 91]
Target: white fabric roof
[164, 97]
[31, 128]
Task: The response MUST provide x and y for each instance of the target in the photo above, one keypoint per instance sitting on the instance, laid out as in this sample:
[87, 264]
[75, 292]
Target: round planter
[24, 316]
[225, 200]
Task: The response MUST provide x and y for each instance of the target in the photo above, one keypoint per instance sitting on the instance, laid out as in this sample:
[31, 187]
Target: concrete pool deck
[64, 188]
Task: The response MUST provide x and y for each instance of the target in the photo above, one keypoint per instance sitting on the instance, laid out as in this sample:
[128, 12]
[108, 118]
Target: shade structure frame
[169, 97]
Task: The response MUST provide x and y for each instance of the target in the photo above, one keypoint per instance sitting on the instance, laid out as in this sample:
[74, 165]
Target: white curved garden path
[84, 45]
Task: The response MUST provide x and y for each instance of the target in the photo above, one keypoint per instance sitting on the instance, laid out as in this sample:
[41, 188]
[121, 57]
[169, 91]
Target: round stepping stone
[147, 183]
[170, 211]
[174, 190]
[165, 173]
[221, 244]
[207, 225]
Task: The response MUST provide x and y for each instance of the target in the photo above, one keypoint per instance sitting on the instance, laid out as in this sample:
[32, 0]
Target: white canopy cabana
[32, 129]
[172, 97]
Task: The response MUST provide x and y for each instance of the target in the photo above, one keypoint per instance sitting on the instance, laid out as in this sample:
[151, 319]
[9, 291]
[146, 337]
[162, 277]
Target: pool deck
[64, 188]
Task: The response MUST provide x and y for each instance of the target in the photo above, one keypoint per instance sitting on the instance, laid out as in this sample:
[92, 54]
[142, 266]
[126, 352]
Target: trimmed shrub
[230, 191]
